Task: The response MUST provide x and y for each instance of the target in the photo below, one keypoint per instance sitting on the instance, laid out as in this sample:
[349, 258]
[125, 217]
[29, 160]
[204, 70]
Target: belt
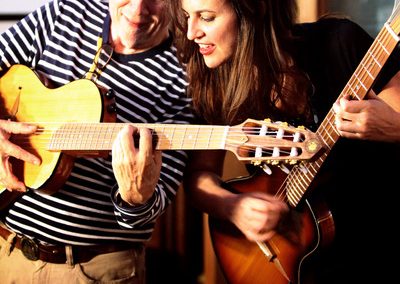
[34, 250]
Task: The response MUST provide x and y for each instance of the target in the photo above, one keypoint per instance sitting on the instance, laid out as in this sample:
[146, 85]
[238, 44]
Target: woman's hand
[257, 214]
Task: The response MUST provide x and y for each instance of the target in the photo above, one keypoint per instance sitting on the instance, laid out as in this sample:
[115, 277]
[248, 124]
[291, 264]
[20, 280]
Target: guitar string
[95, 135]
[160, 130]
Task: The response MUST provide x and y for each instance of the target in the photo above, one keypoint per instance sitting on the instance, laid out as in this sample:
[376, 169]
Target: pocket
[116, 267]
[3, 247]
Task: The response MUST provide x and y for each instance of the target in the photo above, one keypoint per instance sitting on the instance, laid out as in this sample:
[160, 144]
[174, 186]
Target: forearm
[391, 96]
[202, 183]
[206, 193]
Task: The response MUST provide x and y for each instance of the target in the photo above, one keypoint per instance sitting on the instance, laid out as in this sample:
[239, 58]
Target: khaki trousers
[117, 267]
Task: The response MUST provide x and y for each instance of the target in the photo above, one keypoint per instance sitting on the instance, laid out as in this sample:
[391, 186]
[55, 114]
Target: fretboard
[100, 136]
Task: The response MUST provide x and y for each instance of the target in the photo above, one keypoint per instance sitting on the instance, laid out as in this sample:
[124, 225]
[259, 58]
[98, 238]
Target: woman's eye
[207, 18]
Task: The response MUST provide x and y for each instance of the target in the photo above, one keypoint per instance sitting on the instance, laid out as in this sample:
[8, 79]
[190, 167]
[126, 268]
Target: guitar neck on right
[357, 87]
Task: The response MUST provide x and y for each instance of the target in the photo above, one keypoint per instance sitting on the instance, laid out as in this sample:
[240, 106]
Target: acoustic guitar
[74, 120]
[286, 257]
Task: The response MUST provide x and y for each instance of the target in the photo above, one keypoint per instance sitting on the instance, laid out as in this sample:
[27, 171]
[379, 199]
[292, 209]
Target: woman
[249, 59]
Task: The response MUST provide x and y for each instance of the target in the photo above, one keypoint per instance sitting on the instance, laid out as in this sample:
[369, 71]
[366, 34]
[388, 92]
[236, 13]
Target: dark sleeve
[353, 43]
[331, 51]
[389, 70]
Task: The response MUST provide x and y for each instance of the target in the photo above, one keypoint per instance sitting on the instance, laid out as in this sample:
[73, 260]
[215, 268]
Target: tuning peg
[303, 168]
[266, 169]
[276, 150]
[284, 168]
[293, 151]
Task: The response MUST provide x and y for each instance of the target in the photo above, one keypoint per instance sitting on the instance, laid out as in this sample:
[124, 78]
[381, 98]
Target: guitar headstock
[267, 142]
[394, 20]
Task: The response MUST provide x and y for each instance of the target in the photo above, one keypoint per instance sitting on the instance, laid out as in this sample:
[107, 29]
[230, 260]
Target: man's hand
[136, 169]
[370, 119]
[8, 149]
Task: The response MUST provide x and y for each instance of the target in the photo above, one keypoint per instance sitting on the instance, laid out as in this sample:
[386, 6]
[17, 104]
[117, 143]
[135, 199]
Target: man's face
[138, 25]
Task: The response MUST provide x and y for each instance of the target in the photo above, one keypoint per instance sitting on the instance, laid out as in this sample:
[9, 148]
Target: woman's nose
[193, 31]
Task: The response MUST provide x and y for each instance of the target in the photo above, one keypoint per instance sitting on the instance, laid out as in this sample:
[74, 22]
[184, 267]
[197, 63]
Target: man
[95, 224]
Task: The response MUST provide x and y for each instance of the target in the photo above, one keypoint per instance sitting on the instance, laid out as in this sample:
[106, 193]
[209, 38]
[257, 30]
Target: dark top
[358, 180]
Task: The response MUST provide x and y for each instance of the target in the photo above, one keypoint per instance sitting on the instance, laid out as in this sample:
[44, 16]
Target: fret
[328, 131]
[187, 141]
[297, 192]
[209, 139]
[177, 139]
[292, 197]
[375, 60]
[304, 180]
[171, 140]
[96, 137]
[183, 139]
[85, 141]
[111, 135]
[383, 47]
[164, 137]
[203, 137]
[391, 31]
[366, 68]
[196, 138]
[354, 91]
[298, 182]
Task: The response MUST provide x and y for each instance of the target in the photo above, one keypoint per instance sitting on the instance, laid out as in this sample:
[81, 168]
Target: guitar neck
[357, 87]
[80, 137]
[252, 141]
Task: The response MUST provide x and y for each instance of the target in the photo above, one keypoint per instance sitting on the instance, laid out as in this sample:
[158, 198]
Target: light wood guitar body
[22, 92]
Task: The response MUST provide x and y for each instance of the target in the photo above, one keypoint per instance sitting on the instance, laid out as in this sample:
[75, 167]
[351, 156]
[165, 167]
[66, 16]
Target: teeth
[204, 45]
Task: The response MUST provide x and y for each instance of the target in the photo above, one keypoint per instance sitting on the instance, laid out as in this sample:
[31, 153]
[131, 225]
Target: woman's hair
[258, 81]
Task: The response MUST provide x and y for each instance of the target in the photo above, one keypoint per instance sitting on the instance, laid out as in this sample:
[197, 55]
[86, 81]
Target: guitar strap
[92, 70]
[95, 72]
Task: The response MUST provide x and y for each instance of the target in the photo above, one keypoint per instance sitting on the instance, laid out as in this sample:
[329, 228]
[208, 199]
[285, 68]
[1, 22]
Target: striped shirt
[60, 40]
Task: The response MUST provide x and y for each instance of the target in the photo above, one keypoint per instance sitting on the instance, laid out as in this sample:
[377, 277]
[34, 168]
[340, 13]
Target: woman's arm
[256, 214]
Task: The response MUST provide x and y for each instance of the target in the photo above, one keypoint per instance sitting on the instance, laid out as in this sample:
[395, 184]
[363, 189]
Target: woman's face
[212, 24]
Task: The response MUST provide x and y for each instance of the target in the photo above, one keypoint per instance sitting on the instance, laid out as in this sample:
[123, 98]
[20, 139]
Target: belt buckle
[29, 248]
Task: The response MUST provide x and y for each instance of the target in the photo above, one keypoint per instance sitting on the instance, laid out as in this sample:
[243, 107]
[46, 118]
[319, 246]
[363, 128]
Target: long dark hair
[261, 79]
